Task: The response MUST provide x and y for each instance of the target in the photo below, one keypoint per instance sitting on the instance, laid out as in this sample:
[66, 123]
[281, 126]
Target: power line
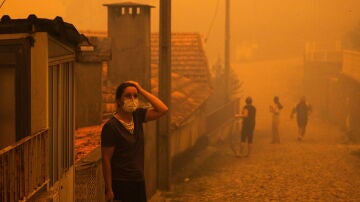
[2, 3]
[212, 20]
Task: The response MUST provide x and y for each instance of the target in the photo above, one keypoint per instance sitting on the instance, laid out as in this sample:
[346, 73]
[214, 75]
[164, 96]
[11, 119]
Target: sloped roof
[186, 97]
[188, 57]
[190, 74]
[57, 28]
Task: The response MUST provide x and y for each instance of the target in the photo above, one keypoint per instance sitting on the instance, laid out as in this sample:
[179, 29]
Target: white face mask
[130, 105]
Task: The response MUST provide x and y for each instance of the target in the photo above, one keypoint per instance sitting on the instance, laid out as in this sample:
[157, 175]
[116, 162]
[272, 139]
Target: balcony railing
[23, 168]
[324, 56]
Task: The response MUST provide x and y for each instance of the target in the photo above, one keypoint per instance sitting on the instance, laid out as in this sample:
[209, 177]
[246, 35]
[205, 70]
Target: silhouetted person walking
[275, 109]
[302, 111]
[248, 115]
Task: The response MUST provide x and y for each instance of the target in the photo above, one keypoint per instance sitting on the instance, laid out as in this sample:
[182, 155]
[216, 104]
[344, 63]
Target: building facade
[37, 60]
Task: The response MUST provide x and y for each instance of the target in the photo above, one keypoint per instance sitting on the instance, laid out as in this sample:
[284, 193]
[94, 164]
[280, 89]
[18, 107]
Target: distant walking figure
[275, 110]
[248, 115]
[302, 111]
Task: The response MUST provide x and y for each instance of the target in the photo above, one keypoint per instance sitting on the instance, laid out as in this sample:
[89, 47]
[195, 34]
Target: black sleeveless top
[127, 162]
[250, 119]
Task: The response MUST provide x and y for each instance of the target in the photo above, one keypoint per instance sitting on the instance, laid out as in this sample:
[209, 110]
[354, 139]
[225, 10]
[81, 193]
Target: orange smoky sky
[272, 27]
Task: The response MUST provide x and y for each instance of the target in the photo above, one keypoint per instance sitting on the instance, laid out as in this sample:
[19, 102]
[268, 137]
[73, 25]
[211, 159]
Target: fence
[89, 183]
[23, 168]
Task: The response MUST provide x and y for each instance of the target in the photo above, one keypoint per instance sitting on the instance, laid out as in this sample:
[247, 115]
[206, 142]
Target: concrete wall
[343, 105]
[202, 130]
[337, 107]
[351, 85]
[316, 83]
[88, 98]
[39, 82]
[188, 134]
[343, 96]
[150, 157]
[64, 188]
[130, 43]
[354, 115]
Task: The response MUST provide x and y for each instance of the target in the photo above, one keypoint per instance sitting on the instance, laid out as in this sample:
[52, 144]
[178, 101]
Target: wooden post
[164, 162]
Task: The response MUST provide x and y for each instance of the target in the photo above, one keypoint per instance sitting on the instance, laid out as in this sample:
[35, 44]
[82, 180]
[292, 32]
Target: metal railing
[23, 167]
[351, 64]
[323, 56]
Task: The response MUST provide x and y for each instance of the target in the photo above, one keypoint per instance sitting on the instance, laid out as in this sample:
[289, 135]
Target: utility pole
[227, 51]
[163, 152]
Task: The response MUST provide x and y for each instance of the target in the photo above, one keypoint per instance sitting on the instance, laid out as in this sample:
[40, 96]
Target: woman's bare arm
[107, 153]
[158, 107]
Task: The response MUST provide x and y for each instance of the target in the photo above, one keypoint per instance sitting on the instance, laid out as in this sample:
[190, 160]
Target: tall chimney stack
[129, 31]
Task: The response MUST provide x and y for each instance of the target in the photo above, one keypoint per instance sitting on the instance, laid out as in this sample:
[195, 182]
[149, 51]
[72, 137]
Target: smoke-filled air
[264, 104]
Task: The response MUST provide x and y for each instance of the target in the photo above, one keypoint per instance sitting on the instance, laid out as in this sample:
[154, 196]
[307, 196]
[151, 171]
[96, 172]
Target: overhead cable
[212, 21]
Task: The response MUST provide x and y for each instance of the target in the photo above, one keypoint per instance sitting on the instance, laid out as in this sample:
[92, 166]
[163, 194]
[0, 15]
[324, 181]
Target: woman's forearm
[107, 175]
[157, 104]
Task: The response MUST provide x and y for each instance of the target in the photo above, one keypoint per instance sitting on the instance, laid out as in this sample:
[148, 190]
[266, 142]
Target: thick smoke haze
[260, 29]
[289, 49]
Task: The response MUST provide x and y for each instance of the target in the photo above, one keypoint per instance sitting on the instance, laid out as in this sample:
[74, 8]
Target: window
[61, 117]
[15, 90]
[138, 11]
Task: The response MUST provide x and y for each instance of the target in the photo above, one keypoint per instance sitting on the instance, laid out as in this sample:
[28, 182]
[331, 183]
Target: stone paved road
[321, 168]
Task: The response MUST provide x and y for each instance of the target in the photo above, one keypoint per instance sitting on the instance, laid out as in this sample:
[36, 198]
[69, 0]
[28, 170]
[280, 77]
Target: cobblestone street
[323, 167]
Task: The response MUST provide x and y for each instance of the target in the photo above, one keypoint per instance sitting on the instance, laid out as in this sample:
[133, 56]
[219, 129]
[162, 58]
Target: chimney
[129, 30]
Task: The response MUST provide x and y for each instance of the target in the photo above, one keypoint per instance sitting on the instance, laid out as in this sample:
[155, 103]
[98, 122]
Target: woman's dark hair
[120, 89]
[248, 100]
[277, 102]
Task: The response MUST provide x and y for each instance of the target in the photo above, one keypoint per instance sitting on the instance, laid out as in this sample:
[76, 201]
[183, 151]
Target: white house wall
[39, 82]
